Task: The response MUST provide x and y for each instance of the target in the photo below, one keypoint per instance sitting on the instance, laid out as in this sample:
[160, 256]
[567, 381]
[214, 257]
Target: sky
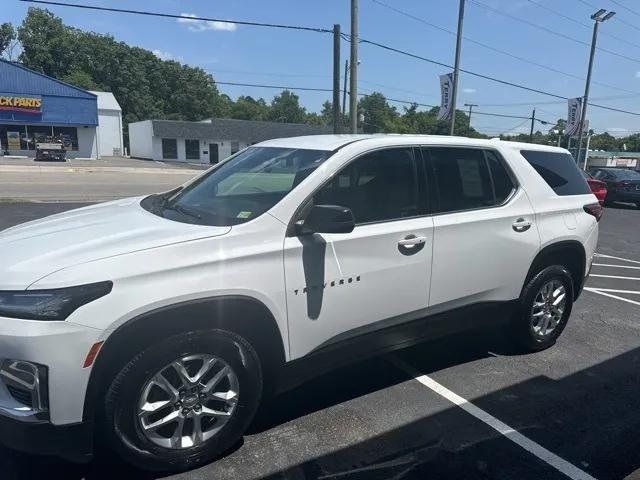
[246, 54]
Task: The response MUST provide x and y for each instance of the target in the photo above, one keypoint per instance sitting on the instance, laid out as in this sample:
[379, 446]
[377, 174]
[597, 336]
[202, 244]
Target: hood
[35, 249]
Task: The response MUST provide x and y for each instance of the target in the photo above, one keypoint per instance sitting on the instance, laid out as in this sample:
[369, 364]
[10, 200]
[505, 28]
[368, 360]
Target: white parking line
[516, 437]
[600, 292]
[614, 276]
[616, 258]
[615, 290]
[615, 266]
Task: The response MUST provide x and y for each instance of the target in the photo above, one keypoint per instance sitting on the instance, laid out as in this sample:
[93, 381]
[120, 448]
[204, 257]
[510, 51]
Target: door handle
[521, 225]
[411, 241]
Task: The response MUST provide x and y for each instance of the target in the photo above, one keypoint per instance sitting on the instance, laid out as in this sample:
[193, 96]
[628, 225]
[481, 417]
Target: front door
[213, 153]
[342, 285]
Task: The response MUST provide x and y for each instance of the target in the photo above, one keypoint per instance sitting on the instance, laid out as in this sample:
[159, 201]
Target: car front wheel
[545, 305]
[183, 402]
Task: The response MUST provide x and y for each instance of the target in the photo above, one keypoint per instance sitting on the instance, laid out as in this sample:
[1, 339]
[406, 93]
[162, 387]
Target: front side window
[192, 149]
[169, 148]
[240, 189]
[462, 179]
[559, 170]
[378, 186]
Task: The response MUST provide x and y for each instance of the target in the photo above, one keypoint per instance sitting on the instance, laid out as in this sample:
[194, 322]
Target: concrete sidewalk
[103, 163]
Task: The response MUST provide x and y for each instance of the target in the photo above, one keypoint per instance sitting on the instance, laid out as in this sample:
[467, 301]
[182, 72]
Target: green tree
[248, 108]
[286, 108]
[377, 114]
[7, 37]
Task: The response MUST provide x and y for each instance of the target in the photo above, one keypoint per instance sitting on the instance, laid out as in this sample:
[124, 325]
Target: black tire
[122, 430]
[522, 328]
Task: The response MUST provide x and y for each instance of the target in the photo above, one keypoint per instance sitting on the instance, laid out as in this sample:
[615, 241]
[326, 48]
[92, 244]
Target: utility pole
[600, 16]
[533, 120]
[336, 78]
[353, 80]
[470, 105]
[456, 68]
[344, 91]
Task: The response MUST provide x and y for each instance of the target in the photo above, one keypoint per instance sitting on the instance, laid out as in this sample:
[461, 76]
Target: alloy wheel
[188, 401]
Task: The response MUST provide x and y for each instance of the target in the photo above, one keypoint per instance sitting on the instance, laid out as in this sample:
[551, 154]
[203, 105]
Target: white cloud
[638, 74]
[162, 55]
[469, 90]
[196, 25]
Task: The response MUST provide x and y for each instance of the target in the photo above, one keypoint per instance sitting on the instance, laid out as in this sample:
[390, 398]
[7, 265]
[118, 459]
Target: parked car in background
[598, 187]
[623, 185]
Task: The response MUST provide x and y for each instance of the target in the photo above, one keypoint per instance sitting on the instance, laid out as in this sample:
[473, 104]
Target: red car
[598, 187]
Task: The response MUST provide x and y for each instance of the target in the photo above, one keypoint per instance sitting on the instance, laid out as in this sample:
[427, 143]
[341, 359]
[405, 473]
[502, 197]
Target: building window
[13, 137]
[169, 148]
[192, 149]
[235, 146]
[68, 136]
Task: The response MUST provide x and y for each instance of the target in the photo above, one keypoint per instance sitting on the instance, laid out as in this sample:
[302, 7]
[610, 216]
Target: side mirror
[326, 219]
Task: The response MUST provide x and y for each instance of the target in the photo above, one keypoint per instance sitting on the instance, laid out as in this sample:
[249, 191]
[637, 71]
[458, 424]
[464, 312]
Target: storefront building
[208, 141]
[36, 108]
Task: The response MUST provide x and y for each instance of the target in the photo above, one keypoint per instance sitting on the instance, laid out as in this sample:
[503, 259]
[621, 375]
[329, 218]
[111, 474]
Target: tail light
[594, 209]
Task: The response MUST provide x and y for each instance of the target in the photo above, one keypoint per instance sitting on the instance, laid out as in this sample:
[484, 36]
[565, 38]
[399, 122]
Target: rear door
[346, 284]
[485, 236]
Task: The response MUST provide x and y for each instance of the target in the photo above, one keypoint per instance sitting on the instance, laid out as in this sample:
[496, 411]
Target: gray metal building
[208, 141]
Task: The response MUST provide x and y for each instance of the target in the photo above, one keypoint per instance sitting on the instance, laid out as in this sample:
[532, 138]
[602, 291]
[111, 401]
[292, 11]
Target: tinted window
[462, 179]
[169, 148]
[559, 170]
[502, 183]
[192, 149]
[376, 187]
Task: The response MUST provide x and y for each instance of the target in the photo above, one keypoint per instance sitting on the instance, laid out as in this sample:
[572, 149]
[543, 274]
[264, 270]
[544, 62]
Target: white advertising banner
[573, 117]
[446, 86]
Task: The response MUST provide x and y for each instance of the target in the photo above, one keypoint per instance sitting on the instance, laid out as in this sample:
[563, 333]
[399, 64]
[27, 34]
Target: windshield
[240, 189]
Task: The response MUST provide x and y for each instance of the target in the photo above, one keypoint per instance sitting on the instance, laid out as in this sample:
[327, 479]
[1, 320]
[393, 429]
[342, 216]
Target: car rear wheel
[545, 306]
[183, 402]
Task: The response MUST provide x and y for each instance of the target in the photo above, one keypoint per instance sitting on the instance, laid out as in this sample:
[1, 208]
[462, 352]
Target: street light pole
[600, 16]
[456, 68]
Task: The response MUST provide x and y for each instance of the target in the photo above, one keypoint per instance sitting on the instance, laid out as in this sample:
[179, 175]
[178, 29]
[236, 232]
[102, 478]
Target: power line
[620, 4]
[281, 87]
[586, 25]
[488, 77]
[502, 52]
[390, 99]
[551, 31]
[322, 30]
[616, 18]
[186, 17]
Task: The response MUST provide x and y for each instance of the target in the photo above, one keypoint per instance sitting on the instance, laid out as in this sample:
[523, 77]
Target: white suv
[155, 325]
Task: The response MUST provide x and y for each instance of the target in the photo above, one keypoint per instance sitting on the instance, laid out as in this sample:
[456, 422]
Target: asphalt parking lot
[461, 407]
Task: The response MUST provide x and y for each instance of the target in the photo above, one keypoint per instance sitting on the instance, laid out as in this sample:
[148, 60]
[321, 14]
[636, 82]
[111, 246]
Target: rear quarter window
[559, 170]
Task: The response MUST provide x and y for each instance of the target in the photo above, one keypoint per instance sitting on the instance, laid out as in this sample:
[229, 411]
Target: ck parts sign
[21, 104]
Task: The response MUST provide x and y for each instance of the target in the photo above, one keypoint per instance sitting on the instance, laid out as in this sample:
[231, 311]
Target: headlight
[54, 304]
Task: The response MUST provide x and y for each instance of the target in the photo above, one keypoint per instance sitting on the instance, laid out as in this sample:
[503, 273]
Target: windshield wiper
[183, 210]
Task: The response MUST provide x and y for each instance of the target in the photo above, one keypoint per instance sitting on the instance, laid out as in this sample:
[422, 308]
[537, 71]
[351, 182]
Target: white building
[208, 141]
[109, 132]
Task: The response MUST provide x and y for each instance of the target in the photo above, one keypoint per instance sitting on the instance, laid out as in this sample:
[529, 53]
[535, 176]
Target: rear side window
[502, 183]
[466, 180]
[559, 170]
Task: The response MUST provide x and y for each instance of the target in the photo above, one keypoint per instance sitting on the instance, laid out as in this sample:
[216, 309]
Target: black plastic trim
[378, 338]
[73, 442]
